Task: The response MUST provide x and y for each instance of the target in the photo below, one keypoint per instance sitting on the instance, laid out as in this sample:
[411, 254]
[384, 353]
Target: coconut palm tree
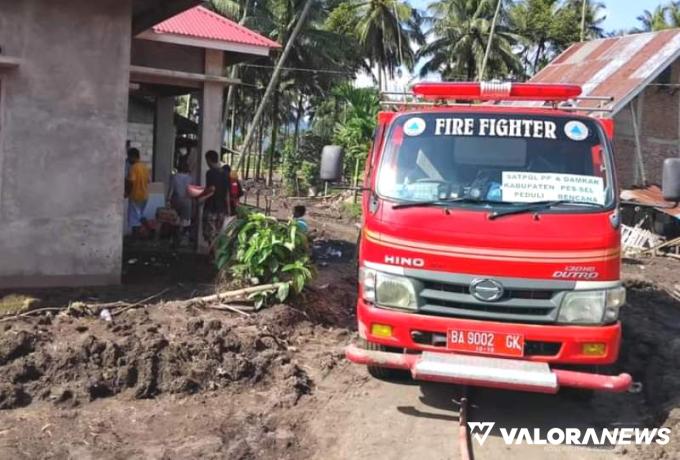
[386, 31]
[594, 17]
[460, 32]
[227, 8]
[654, 20]
[674, 14]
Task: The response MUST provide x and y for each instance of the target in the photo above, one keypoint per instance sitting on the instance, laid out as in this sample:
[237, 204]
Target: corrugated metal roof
[619, 67]
[199, 22]
[651, 196]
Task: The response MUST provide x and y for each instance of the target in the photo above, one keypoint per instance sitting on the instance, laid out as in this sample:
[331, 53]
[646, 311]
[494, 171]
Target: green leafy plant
[257, 249]
[355, 131]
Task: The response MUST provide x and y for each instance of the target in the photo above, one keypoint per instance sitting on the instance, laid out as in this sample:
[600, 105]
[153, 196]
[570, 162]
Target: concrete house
[67, 71]
[642, 74]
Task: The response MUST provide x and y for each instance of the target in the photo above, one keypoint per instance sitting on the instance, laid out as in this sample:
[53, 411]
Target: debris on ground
[637, 240]
[173, 377]
[68, 361]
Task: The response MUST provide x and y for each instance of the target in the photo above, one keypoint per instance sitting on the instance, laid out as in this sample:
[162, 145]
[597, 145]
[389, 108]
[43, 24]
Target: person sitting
[299, 212]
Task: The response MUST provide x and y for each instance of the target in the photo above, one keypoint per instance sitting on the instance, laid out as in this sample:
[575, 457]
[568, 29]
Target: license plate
[488, 343]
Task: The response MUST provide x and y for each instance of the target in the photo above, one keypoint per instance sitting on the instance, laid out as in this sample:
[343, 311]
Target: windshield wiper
[444, 201]
[537, 206]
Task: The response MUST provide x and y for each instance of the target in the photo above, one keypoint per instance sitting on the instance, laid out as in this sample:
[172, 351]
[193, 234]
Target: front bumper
[569, 339]
[488, 372]
[530, 373]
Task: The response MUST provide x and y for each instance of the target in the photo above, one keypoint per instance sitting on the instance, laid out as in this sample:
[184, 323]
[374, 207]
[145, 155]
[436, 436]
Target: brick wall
[659, 125]
[140, 136]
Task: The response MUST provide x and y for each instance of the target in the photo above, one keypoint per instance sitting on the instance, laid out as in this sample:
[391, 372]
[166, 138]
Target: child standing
[236, 191]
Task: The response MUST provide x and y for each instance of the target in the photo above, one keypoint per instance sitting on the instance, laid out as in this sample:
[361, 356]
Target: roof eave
[623, 102]
[233, 47]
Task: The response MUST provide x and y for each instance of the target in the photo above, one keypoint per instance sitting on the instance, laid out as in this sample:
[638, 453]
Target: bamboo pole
[488, 44]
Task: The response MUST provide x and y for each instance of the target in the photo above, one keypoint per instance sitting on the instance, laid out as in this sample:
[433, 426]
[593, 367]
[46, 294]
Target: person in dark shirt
[216, 205]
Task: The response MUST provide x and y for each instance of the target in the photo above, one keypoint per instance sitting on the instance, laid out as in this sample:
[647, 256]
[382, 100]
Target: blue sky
[621, 14]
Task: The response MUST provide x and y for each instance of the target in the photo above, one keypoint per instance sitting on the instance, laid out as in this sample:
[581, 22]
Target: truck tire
[384, 373]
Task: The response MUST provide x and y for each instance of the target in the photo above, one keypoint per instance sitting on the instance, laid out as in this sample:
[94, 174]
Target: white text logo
[480, 430]
[573, 436]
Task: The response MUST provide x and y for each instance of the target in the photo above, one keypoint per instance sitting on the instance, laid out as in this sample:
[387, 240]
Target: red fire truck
[490, 248]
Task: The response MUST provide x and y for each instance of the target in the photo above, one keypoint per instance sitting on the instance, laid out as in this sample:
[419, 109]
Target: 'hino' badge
[575, 130]
[414, 126]
[486, 290]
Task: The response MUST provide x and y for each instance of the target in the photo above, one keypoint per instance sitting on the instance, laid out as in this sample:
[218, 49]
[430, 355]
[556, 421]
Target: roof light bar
[489, 91]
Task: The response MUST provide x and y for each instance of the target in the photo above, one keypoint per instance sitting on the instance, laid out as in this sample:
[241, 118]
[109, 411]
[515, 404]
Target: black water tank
[331, 163]
[670, 182]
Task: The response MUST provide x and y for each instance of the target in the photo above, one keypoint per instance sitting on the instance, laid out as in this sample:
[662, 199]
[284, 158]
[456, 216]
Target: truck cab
[489, 252]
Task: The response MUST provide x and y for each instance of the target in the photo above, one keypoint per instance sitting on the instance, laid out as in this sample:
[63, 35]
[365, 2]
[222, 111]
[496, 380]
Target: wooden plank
[9, 62]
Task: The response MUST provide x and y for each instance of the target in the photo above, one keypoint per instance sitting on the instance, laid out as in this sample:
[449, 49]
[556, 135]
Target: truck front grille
[517, 304]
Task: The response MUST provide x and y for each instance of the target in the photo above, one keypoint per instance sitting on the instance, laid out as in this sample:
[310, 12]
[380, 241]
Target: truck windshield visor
[496, 159]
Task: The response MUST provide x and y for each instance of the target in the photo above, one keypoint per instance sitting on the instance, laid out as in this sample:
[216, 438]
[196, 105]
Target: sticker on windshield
[414, 126]
[575, 130]
[526, 187]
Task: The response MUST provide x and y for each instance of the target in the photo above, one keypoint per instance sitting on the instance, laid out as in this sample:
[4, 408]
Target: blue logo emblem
[414, 126]
[576, 130]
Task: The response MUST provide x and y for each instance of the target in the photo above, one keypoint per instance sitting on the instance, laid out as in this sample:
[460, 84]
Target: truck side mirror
[331, 163]
[670, 181]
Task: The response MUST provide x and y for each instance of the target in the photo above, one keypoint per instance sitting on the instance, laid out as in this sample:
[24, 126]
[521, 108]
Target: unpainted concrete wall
[62, 137]
[168, 56]
[658, 118]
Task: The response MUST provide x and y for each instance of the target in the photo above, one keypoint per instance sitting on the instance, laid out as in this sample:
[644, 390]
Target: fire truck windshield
[497, 159]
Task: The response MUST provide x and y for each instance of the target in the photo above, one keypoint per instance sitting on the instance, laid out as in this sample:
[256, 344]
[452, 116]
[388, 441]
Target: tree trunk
[273, 82]
[229, 105]
[539, 52]
[275, 132]
[298, 120]
[490, 41]
[260, 150]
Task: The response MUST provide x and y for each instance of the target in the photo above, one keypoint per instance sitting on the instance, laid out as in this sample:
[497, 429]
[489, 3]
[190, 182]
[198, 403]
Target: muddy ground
[166, 382]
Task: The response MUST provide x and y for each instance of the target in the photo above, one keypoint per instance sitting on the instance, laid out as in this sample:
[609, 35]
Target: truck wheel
[384, 373]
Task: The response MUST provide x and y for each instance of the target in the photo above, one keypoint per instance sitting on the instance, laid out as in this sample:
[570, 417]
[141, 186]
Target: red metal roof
[201, 23]
[619, 67]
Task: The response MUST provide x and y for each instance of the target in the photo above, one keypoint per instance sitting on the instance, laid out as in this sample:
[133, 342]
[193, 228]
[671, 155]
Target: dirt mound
[144, 355]
[651, 353]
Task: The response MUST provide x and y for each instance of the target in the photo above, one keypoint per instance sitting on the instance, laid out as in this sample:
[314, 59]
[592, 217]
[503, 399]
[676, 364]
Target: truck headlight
[592, 307]
[388, 290]
[395, 291]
